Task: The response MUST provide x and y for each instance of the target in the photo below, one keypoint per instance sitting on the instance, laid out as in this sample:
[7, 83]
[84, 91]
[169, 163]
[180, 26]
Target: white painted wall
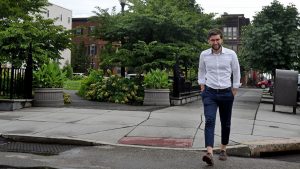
[63, 17]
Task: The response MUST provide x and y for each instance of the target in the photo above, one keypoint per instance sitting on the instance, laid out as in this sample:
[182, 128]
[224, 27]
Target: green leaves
[156, 79]
[174, 26]
[24, 26]
[114, 88]
[48, 76]
[272, 40]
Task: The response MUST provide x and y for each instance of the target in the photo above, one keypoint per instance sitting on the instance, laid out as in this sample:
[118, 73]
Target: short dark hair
[215, 31]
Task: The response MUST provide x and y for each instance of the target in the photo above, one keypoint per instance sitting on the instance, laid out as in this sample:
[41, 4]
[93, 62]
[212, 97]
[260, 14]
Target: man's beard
[216, 47]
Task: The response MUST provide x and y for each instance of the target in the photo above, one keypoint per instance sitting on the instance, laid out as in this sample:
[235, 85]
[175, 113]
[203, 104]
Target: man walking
[216, 65]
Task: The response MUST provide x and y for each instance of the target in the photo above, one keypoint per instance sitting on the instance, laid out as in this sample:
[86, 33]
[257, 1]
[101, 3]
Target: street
[110, 157]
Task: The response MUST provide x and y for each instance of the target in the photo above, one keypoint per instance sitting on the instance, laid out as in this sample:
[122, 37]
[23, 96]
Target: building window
[225, 32]
[69, 19]
[79, 31]
[48, 13]
[92, 50]
[230, 33]
[60, 17]
[234, 32]
[91, 29]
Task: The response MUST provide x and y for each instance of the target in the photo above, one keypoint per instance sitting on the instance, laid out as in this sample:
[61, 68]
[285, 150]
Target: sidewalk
[255, 128]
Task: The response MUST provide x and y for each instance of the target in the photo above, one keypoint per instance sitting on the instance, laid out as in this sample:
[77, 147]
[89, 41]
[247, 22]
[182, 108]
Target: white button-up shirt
[215, 69]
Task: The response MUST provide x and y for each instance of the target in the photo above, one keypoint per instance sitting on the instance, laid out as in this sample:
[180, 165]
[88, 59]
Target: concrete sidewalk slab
[171, 123]
[74, 130]
[165, 132]
[113, 119]
[108, 137]
[254, 125]
[27, 127]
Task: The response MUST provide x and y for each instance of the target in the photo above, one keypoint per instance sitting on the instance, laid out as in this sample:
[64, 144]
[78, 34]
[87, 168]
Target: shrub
[67, 98]
[115, 89]
[68, 71]
[157, 79]
[48, 76]
[94, 77]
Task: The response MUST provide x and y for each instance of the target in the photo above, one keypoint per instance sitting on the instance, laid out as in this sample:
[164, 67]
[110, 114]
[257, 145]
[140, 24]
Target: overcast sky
[84, 8]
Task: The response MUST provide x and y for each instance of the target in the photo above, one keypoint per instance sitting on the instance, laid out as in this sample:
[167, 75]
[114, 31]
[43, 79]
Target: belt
[218, 90]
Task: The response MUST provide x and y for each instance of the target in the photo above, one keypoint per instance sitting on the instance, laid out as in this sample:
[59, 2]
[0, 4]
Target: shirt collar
[223, 50]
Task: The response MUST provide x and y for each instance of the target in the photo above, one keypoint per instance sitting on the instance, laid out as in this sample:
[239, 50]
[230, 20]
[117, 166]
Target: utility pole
[122, 3]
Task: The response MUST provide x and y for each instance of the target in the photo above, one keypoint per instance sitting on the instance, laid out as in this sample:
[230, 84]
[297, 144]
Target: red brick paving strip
[158, 141]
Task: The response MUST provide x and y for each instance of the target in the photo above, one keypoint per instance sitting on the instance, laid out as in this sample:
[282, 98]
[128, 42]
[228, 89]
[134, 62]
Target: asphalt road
[110, 157]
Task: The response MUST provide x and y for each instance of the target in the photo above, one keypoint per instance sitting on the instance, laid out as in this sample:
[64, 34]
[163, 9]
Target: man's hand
[202, 87]
[234, 91]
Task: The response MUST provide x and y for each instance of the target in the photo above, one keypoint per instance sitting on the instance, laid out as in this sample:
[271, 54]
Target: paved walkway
[253, 124]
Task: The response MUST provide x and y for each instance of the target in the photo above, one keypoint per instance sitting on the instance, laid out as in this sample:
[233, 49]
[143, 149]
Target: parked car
[264, 84]
[133, 75]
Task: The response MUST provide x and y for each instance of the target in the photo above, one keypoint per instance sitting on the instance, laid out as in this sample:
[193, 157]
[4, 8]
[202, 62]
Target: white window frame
[92, 49]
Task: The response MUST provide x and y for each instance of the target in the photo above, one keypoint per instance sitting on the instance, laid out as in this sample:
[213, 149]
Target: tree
[22, 26]
[79, 61]
[176, 27]
[272, 40]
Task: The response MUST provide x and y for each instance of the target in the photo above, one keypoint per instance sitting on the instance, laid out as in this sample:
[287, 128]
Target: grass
[72, 84]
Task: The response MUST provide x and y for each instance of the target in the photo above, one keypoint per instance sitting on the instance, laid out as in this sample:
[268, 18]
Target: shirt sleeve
[201, 70]
[236, 72]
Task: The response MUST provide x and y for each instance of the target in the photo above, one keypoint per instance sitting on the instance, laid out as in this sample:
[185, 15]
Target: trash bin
[285, 88]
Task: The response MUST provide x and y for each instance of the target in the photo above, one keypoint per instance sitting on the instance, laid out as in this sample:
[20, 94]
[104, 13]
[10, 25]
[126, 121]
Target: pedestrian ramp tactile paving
[158, 141]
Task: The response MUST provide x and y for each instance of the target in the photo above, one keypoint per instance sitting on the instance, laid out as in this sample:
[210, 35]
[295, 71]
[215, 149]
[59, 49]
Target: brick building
[82, 29]
[232, 25]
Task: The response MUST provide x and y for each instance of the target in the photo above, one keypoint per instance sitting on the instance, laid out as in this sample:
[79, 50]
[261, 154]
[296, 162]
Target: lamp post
[122, 3]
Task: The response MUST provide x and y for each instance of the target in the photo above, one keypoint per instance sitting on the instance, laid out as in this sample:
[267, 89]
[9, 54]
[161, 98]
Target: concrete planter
[48, 97]
[14, 104]
[157, 97]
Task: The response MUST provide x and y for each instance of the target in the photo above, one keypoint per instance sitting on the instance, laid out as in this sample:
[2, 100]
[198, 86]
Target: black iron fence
[181, 85]
[12, 83]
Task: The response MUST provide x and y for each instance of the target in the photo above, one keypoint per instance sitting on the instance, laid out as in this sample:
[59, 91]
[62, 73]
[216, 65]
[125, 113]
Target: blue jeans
[212, 100]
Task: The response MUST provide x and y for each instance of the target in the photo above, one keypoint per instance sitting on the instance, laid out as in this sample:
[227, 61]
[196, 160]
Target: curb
[246, 149]
[256, 149]
[259, 148]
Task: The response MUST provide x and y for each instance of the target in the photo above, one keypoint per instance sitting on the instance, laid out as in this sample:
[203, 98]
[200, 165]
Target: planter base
[48, 97]
[157, 97]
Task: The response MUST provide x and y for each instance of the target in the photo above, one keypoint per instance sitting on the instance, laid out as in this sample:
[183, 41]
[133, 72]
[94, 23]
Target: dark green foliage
[80, 60]
[154, 33]
[272, 40]
[20, 8]
[21, 27]
[68, 71]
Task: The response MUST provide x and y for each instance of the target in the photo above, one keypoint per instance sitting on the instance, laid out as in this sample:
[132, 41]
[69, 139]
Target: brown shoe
[223, 155]
[208, 158]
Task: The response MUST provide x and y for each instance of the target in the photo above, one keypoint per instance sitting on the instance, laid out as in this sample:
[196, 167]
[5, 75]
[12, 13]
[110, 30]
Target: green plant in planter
[156, 79]
[49, 76]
